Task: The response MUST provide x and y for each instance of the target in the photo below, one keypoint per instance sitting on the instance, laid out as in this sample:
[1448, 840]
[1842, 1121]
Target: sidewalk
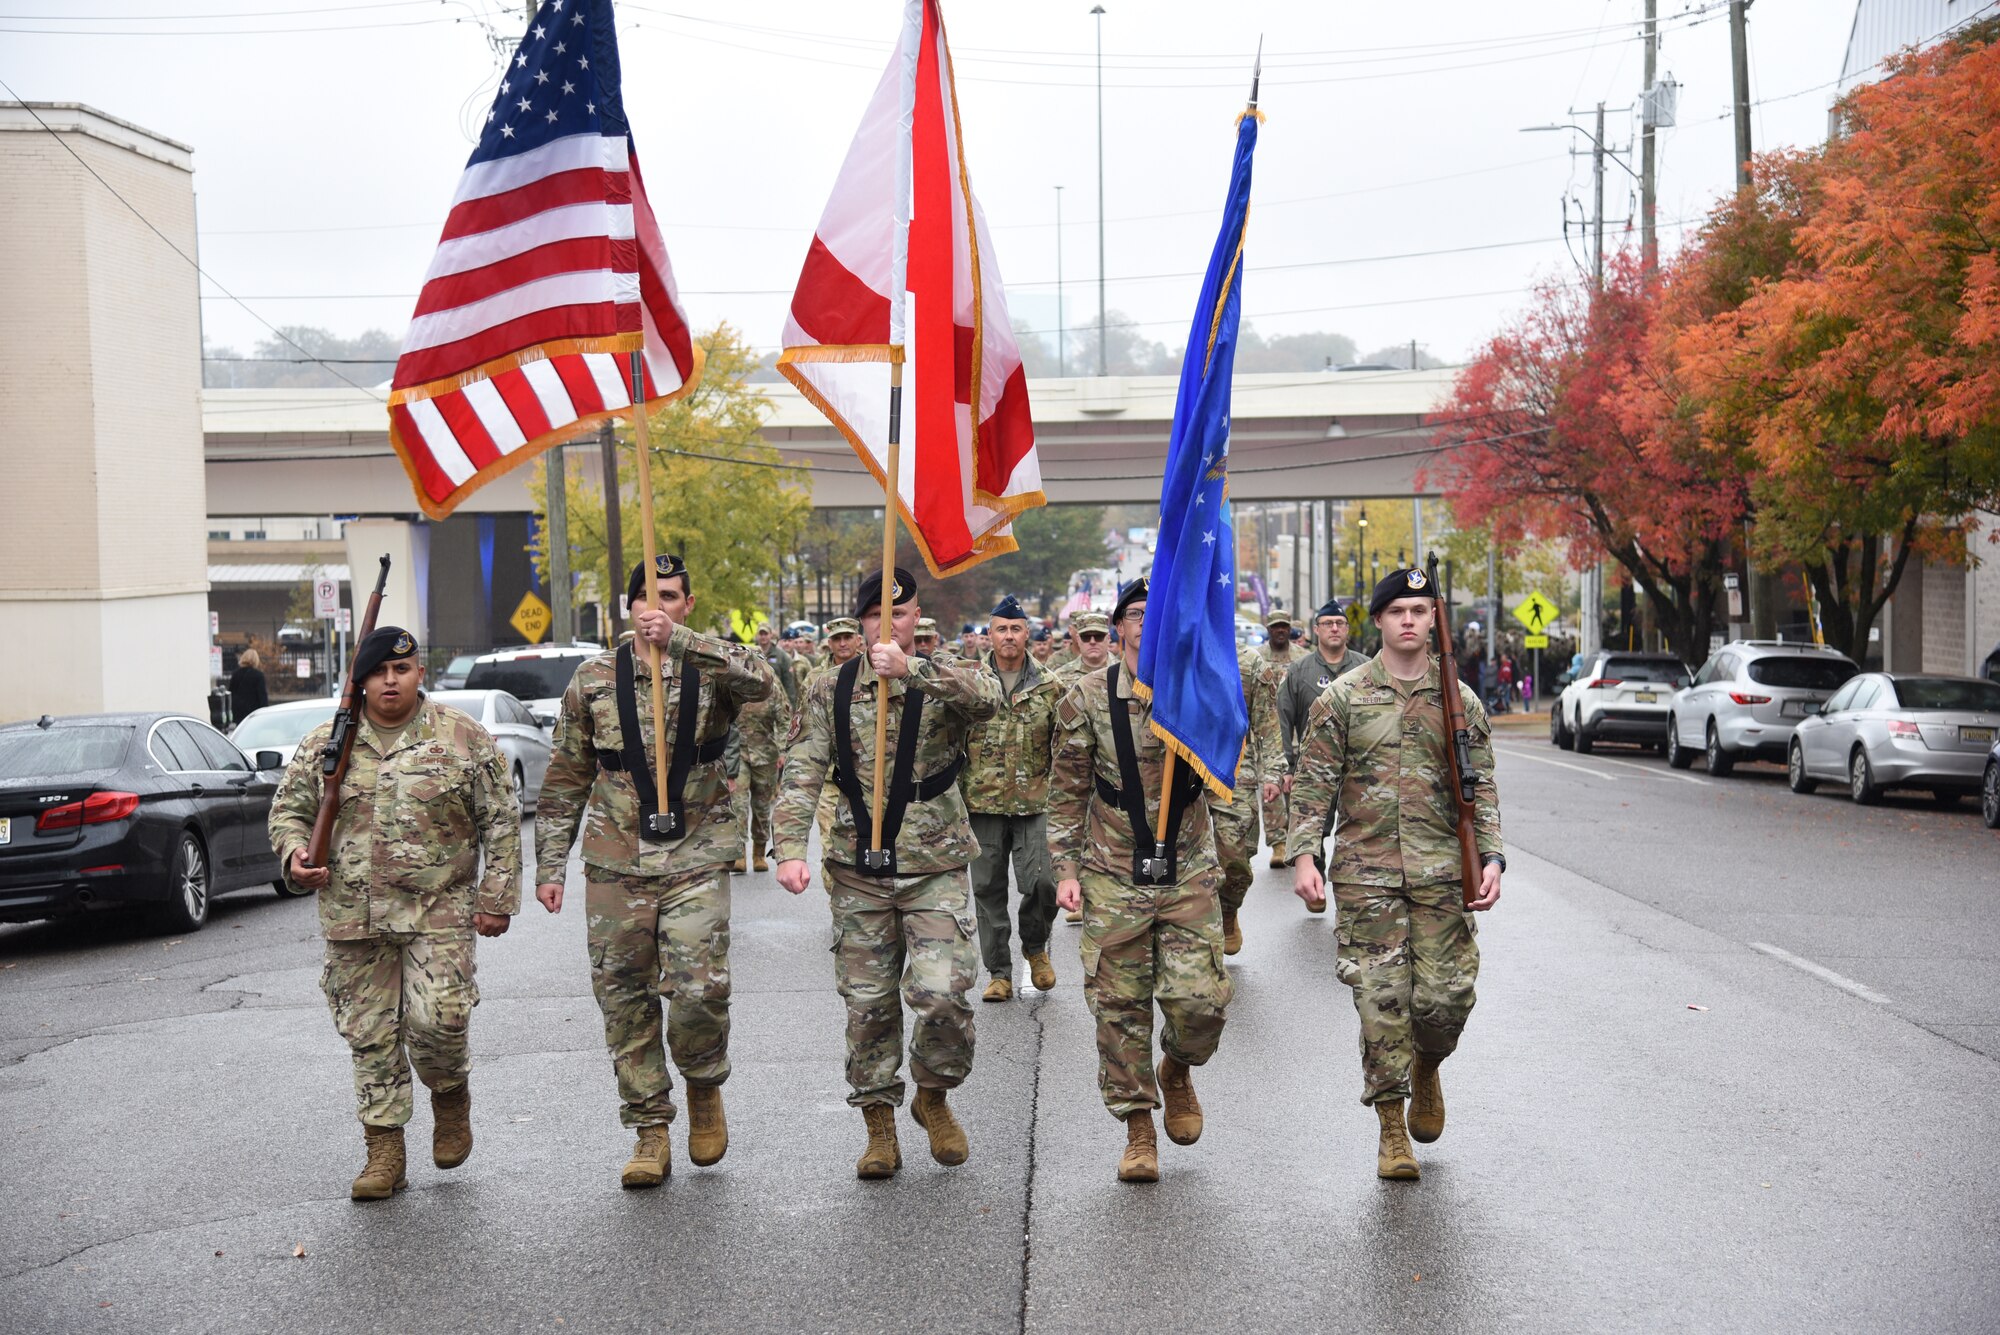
[1520, 722]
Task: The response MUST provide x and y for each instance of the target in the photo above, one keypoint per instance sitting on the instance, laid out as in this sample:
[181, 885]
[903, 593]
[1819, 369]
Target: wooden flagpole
[643, 442]
[887, 629]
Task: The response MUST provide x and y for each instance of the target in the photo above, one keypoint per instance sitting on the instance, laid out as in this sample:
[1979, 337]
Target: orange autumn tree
[1564, 427]
[1862, 377]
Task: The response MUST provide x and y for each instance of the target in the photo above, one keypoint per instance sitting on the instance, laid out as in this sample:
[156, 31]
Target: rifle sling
[631, 757]
[1151, 864]
[904, 788]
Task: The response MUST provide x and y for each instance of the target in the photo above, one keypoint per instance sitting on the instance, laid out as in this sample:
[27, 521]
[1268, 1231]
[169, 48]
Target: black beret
[870, 593]
[382, 644]
[1135, 592]
[666, 563]
[1332, 607]
[1412, 583]
[1010, 608]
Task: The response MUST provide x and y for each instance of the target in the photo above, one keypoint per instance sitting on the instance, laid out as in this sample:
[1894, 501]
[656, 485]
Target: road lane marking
[1649, 771]
[1821, 972]
[1559, 764]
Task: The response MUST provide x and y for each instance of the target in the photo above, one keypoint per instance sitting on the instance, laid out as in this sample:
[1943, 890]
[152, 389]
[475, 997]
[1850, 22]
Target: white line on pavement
[1649, 771]
[1821, 972]
[1559, 764]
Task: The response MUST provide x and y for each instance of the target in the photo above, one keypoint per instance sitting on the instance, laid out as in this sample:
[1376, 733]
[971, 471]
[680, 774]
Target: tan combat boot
[1232, 934]
[739, 865]
[1040, 972]
[385, 1172]
[708, 1125]
[1183, 1109]
[1426, 1099]
[451, 1127]
[1000, 989]
[933, 1114]
[1141, 1160]
[1393, 1156]
[1073, 915]
[652, 1159]
[1277, 856]
[761, 862]
[1319, 907]
[883, 1156]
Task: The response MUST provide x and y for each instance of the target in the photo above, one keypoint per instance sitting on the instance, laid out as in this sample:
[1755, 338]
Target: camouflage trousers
[1410, 956]
[1023, 840]
[1277, 817]
[912, 933]
[402, 1001]
[760, 759]
[655, 937]
[1144, 944]
[1235, 824]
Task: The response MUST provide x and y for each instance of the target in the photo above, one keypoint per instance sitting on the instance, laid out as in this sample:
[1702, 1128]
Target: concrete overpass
[272, 452]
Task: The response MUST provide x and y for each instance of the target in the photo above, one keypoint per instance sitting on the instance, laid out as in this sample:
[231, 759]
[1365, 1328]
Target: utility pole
[1739, 63]
[1062, 334]
[1103, 348]
[562, 627]
[614, 530]
[1597, 169]
[1649, 244]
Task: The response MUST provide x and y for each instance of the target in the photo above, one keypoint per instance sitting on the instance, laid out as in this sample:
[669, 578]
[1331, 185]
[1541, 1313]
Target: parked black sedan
[154, 812]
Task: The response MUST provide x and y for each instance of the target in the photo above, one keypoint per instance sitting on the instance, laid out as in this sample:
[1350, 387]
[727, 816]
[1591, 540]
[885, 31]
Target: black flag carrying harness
[904, 787]
[631, 759]
[1152, 864]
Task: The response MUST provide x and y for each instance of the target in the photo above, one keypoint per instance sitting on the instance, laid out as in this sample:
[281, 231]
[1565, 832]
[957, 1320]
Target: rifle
[1458, 751]
[339, 747]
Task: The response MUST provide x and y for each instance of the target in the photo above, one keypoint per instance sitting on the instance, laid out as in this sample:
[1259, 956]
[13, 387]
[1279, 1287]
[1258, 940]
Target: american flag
[550, 267]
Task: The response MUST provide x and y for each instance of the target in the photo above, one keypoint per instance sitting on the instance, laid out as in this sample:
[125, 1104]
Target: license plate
[1647, 697]
[1984, 735]
[1794, 709]
[6, 829]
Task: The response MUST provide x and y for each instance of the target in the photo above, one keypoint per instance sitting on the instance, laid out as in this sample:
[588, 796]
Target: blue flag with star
[1187, 650]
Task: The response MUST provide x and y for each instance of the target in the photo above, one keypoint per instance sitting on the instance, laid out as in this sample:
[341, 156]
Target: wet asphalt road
[1812, 1150]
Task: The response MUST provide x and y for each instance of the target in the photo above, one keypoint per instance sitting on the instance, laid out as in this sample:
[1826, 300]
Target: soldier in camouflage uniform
[1236, 821]
[1374, 748]
[1332, 658]
[426, 793]
[760, 724]
[1006, 785]
[926, 639]
[1275, 657]
[902, 915]
[656, 865]
[1152, 928]
[1091, 633]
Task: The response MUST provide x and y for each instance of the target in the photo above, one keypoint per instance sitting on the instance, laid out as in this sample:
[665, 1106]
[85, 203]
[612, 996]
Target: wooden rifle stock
[340, 742]
[1458, 744]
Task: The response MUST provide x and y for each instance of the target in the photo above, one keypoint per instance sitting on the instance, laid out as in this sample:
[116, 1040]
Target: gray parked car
[1746, 700]
[519, 736]
[1890, 730]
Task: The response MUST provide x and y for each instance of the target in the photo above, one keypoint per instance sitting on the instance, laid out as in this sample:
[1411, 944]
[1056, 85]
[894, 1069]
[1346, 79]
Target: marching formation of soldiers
[1013, 751]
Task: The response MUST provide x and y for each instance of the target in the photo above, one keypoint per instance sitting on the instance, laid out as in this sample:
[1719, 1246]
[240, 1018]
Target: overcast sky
[325, 159]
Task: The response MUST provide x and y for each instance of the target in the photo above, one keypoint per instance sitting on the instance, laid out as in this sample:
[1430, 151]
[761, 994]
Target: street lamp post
[1103, 355]
[1062, 335]
[1361, 551]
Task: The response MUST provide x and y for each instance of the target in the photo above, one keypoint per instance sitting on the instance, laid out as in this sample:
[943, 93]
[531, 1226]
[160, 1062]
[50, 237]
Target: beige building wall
[102, 549]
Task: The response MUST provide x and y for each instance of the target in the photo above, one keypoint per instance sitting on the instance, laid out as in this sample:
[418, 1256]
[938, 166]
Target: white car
[537, 675]
[1746, 700]
[1618, 697]
[282, 727]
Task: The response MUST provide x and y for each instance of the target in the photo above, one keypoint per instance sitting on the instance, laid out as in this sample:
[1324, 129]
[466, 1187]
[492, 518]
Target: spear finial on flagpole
[1257, 71]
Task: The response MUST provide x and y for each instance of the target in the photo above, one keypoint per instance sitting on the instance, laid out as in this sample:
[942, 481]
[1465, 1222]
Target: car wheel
[1989, 796]
[1720, 762]
[520, 795]
[189, 881]
[1795, 770]
[1556, 737]
[1677, 754]
[1584, 743]
[1861, 780]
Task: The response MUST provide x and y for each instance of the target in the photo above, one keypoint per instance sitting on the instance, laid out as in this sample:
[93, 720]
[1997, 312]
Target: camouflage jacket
[415, 814]
[1085, 830]
[1007, 762]
[936, 835]
[1263, 758]
[1301, 685]
[578, 791]
[1379, 759]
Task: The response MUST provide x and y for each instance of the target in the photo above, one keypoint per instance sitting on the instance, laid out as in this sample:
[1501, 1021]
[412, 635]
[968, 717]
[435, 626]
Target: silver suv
[1746, 700]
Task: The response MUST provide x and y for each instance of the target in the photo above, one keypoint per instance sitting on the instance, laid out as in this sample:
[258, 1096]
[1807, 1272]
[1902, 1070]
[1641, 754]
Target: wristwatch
[1493, 859]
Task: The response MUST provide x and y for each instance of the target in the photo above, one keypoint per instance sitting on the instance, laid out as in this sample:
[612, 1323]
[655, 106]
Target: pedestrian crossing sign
[1535, 612]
